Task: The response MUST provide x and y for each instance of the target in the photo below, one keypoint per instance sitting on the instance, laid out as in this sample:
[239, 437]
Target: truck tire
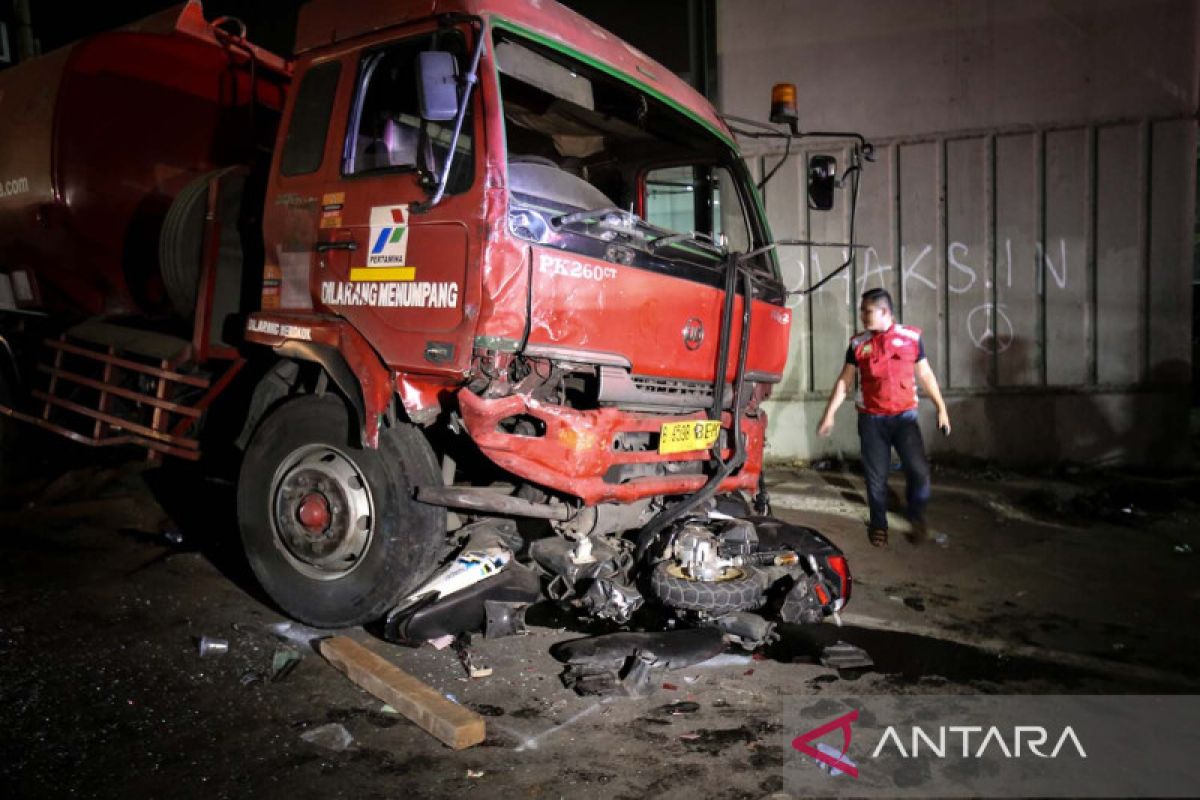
[331, 528]
[737, 593]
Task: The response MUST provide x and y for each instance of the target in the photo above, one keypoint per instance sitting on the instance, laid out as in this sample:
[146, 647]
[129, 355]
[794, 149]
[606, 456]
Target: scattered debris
[295, 633]
[1184, 549]
[283, 661]
[915, 603]
[475, 773]
[750, 631]
[725, 660]
[462, 648]
[387, 709]
[670, 687]
[941, 539]
[678, 708]
[454, 725]
[442, 642]
[843, 655]
[689, 737]
[333, 736]
[250, 677]
[209, 646]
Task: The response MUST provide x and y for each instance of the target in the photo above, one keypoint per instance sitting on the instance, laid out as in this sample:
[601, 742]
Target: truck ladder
[113, 385]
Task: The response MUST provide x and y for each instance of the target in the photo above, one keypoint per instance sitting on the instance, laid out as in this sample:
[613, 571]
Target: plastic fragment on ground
[333, 736]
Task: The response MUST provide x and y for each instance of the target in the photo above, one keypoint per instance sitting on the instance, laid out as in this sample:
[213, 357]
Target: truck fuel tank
[98, 137]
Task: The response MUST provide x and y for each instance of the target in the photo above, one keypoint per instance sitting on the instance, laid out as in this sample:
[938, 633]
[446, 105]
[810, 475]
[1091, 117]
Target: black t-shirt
[852, 361]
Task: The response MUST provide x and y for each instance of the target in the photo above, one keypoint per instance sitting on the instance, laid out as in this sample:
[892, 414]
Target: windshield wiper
[600, 217]
[704, 241]
[637, 232]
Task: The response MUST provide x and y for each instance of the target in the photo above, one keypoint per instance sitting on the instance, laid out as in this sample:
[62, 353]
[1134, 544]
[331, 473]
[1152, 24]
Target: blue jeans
[878, 435]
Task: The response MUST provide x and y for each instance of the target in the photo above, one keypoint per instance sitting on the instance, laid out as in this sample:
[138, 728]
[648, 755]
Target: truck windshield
[600, 168]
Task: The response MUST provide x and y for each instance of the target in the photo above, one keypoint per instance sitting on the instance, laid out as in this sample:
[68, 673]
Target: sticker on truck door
[387, 252]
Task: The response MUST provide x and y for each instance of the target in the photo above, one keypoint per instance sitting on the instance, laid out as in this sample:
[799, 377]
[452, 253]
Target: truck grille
[619, 388]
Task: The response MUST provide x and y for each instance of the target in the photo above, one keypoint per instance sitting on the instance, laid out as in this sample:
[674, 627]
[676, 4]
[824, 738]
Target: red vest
[886, 362]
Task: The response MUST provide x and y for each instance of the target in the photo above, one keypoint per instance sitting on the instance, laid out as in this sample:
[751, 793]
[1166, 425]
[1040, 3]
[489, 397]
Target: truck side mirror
[822, 180]
[437, 73]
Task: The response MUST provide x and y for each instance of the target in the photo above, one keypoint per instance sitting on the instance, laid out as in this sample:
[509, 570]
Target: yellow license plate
[684, 437]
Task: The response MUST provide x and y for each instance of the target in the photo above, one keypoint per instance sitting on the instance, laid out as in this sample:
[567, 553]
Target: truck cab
[560, 290]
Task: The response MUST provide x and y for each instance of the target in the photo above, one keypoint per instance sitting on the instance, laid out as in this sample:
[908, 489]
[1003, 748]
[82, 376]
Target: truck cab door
[401, 274]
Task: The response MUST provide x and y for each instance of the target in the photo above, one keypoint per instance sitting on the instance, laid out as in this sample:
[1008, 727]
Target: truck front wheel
[331, 528]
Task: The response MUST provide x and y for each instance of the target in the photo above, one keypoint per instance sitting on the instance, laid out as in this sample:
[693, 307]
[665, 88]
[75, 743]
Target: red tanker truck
[457, 263]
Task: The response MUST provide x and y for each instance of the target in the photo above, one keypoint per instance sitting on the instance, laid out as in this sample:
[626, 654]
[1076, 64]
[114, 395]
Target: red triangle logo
[801, 743]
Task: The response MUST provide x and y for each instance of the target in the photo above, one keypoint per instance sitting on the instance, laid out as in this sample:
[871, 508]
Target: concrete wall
[1030, 207]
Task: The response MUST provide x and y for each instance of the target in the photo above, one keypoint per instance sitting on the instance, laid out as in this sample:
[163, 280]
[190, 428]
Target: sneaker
[877, 537]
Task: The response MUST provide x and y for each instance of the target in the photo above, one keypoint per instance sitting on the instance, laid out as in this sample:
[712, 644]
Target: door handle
[324, 247]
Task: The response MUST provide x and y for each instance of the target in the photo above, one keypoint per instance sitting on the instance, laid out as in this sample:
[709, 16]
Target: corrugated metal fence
[1033, 258]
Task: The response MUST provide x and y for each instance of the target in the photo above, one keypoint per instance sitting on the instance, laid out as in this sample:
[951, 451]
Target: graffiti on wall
[987, 325]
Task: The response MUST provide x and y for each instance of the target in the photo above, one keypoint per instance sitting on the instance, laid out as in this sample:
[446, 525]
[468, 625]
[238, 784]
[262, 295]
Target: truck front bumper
[577, 454]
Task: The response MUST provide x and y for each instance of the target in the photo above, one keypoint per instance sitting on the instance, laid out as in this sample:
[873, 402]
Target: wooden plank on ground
[454, 725]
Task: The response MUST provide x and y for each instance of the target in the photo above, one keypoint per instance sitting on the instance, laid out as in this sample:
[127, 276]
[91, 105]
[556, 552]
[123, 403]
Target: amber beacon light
[783, 103]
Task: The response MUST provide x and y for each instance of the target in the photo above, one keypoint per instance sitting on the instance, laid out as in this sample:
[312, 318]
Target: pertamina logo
[389, 232]
[388, 257]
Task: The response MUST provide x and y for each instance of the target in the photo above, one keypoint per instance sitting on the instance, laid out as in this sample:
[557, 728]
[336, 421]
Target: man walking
[887, 354]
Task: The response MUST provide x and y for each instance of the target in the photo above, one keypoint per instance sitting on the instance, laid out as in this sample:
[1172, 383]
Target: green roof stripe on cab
[566, 49]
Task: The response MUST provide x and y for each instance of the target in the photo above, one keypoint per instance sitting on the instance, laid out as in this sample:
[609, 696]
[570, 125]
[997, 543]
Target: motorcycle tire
[716, 598]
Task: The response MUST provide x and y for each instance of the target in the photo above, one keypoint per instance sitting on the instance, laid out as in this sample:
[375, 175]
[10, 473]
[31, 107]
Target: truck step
[151, 344]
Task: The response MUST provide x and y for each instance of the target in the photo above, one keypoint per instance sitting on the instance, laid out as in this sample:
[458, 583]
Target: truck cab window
[386, 132]
[698, 198]
[583, 143]
[304, 147]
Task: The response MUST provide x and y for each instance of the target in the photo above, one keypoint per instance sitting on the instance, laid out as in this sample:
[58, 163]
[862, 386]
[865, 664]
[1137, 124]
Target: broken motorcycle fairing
[734, 576]
[481, 588]
[633, 663]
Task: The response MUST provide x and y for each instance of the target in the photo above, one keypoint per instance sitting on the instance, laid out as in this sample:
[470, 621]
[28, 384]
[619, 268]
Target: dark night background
[661, 29]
